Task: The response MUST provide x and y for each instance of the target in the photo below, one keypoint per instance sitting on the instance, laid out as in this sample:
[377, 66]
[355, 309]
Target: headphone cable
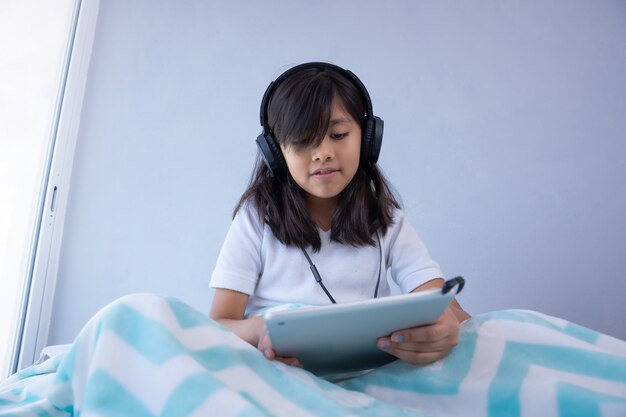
[380, 263]
[317, 276]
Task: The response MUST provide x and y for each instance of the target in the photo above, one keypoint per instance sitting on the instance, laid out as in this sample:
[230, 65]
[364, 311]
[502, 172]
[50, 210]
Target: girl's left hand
[425, 344]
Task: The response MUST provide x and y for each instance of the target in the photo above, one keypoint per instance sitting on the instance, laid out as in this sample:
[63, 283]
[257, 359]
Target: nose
[324, 152]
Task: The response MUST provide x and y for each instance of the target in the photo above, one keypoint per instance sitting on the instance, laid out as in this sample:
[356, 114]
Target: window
[34, 42]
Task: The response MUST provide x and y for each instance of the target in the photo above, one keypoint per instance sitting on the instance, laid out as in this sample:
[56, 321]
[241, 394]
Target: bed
[146, 355]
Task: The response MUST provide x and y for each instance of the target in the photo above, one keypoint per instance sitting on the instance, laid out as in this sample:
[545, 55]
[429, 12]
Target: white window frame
[34, 322]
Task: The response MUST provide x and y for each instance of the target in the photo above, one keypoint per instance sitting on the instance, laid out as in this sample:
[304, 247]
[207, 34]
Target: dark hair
[299, 114]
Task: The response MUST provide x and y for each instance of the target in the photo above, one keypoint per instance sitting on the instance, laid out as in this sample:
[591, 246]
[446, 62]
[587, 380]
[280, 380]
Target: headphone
[372, 130]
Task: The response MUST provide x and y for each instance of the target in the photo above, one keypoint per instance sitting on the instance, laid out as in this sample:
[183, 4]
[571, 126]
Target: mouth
[324, 172]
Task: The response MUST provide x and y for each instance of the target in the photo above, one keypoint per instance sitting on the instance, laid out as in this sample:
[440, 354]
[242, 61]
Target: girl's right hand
[265, 346]
[228, 308]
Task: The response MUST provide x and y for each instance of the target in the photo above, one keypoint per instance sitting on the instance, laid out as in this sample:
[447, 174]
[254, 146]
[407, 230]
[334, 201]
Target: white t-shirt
[254, 262]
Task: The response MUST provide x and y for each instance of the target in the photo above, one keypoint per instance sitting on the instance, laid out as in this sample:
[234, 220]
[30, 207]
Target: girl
[318, 197]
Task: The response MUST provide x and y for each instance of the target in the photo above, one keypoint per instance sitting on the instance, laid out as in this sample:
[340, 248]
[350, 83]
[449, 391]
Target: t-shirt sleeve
[407, 256]
[239, 263]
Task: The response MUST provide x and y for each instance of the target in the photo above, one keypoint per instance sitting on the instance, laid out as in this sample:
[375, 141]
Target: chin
[326, 195]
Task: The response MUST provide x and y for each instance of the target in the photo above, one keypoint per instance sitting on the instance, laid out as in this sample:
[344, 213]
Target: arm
[427, 344]
[228, 308]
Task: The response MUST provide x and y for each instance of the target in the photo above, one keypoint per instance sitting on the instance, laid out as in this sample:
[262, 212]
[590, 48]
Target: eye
[338, 136]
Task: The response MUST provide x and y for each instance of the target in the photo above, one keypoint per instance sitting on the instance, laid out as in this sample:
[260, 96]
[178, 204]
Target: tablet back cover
[341, 338]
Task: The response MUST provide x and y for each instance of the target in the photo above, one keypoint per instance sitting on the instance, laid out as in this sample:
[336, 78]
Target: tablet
[341, 338]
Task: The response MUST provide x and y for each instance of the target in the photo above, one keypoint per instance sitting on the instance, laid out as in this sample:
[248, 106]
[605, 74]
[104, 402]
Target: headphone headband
[308, 65]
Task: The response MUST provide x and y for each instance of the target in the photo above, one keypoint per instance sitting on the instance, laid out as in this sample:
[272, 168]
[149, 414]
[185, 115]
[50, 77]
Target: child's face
[324, 171]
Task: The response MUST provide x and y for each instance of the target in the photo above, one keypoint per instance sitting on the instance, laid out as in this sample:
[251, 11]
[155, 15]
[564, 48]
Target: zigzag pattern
[512, 363]
[145, 355]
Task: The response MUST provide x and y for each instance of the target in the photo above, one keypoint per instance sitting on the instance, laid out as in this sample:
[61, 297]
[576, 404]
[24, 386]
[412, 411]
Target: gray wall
[504, 136]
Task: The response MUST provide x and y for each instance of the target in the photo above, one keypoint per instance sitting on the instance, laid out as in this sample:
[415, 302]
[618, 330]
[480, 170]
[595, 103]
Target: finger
[289, 361]
[265, 346]
[265, 342]
[418, 354]
[427, 334]
[417, 358]
[440, 345]
[383, 343]
[268, 353]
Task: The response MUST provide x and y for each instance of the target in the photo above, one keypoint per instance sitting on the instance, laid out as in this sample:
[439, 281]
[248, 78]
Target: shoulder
[401, 229]
[246, 225]
[248, 213]
[398, 219]
[397, 213]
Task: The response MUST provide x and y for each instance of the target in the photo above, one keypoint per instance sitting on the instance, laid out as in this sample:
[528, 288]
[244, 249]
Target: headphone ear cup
[366, 141]
[372, 140]
[271, 154]
[377, 139]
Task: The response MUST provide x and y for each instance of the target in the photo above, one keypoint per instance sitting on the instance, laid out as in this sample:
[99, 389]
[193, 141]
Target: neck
[322, 210]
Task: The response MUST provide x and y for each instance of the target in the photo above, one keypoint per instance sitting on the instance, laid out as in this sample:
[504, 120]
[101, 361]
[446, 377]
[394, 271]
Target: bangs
[300, 109]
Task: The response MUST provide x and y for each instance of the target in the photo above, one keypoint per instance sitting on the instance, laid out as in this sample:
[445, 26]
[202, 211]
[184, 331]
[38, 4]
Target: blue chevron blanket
[145, 355]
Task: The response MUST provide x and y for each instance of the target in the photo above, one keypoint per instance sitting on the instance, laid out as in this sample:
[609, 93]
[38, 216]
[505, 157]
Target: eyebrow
[340, 120]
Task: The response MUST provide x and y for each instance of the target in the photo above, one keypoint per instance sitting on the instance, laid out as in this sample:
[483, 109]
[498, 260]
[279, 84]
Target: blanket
[146, 355]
